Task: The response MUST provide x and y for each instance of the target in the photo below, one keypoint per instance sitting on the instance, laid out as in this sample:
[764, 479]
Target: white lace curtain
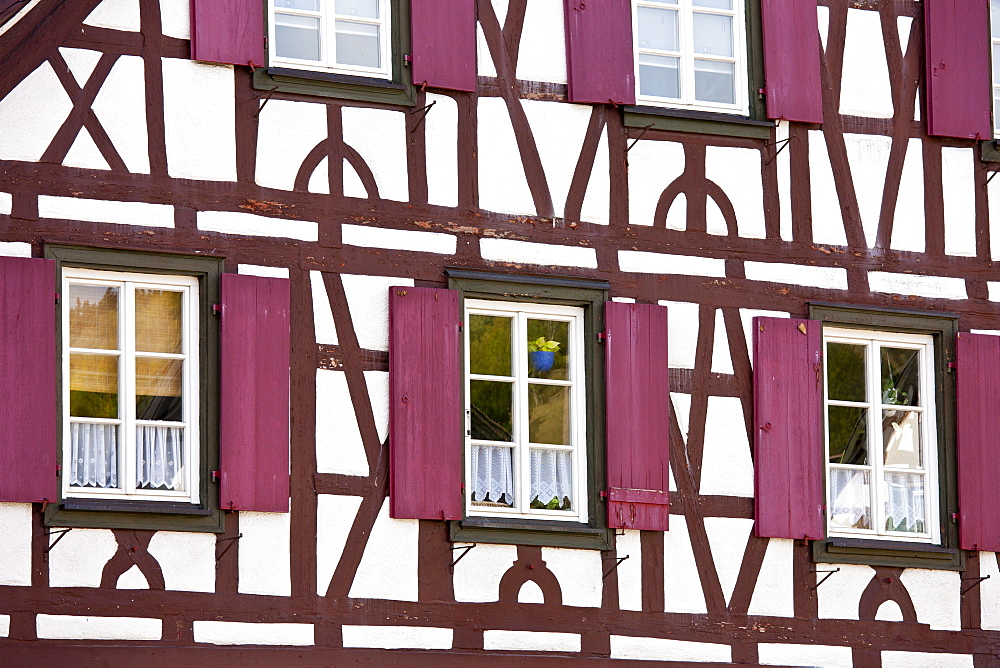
[160, 456]
[492, 473]
[94, 452]
[904, 504]
[904, 500]
[552, 475]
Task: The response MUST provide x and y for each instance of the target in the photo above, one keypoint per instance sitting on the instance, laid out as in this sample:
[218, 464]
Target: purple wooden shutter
[791, 60]
[978, 407]
[253, 428]
[957, 39]
[599, 62]
[788, 428]
[28, 439]
[638, 416]
[228, 31]
[425, 408]
[444, 43]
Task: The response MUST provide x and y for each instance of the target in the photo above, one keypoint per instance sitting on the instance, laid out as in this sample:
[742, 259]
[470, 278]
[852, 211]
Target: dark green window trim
[399, 90]
[943, 327]
[568, 291]
[989, 151]
[113, 514]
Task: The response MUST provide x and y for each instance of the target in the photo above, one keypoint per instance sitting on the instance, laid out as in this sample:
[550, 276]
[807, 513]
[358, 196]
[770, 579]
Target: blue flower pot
[542, 360]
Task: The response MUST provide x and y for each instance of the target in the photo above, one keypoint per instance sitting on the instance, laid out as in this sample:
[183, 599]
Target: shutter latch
[217, 309]
[601, 337]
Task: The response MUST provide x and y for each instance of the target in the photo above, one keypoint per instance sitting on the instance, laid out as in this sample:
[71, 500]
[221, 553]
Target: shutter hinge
[407, 58]
[601, 337]
[762, 92]
[954, 518]
[952, 366]
[463, 492]
[461, 326]
[58, 470]
[217, 309]
[216, 475]
[57, 296]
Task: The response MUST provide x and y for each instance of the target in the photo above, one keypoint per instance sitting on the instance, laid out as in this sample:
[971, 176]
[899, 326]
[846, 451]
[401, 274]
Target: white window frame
[686, 54]
[521, 312]
[127, 282]
[328, 40]
[873, 341]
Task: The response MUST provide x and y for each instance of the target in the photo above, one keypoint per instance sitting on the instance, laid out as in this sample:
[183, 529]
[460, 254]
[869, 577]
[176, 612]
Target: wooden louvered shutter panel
[791, 60]
[638, 416]
[788, 428]
[599, 63]
[956, 43]
[425, 409]
[978, 408]
[444, 43]
[28, 438]
[228, 31]
[253, 429]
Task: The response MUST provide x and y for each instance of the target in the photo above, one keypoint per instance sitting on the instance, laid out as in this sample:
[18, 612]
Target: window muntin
[525, 448]
[880, 435]
[691, 54]
[130, 386]
[343, 36]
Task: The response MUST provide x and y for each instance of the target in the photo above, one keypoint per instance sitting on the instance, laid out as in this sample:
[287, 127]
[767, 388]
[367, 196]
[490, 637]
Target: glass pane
[364, 8]
[658, 29]
[306, 5]
[548, 349]
[160, 455]
[158, 321]
[713, 34]
[714, 4]
[93, 317]
[850, 499]
[658, 76]
[93, 455]
[158, 389]
[900, 376]
[296, 37]
[995, 16]
[847, 427]
[845, 372]
[492, 410]
[996, 109]
[489, 345]
[549, 414]
[552, 479]
[664, 2]
[492, 476]
[901, 438]
[904, 503]
[357, 44]
[714, 82]
[93, 386]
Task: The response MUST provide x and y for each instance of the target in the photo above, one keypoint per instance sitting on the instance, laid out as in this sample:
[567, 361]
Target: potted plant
[542, 353]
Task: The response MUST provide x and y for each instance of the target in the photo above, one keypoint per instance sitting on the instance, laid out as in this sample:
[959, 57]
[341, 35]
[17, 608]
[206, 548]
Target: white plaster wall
[6, 202]
[682, 410]
[773, 594]
[663, 263]
[738, 172]
[121, 108]
[682, 329]
[530, 592]
[502, 183]
[828, 656]
[250, 224]
[542, 56]
[132, 579]
[784, 169]
[908, 227]
[889, 611]
[894, 659]
[839, 596]
[377, 383]
[727, 536]
[664, 649]
[676, 214]
[935, 287]
[989, 591]
[81, 62]
[903, 26]
[715, 221]
[335, 516]
[4, 626]
[823, 19]
[865, 87]
[993, 195]
[722, 361]
[265, 559]
[286, 133]
[597, 201]
[15, 548]
[935, 596]
[115, 14]
[959, 189]
[106, 211]
[477, 576]
[200, 120]
[84, 153]
[441, 141]
[726, 468]
[339, 447]
[15, 249]
[31, 114]
[830, 278]
[828, 227]
[484, 58]
[175, 18]
[682, 590]
[79, 627]
[186, 558]
[652, 166]
[868, 157]
[531, 641]
[579, 573]
[388, 569]
[79, 558]
[262, 270]
[379, 135]
[397, 637]
[253, 633]
[368, 300]
[326, 329]
[406, 240]
[629, 572]
[526, 252]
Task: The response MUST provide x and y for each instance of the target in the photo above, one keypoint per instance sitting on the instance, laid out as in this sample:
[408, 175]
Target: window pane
[845, 371]
[549, 414]
[160, 457]
[158, 389]
[850, 499]
[996, 61]
[658, 76]
[658, 29]
[847, 427]
[357, 44]
[364, 8]
[543, 362]
[900, 376]
[996, 109]
[714, 82]
[492, 410]
[306, 5]
[713, 34]
[158, 321]
[93, 455]
[664, 2]
[93, 317]
[904, 504]
[489, 345]
[714, 4]
[901, 438]
[995, 16]
[492, 476]
[93, 386]
[296, 37]
[552, 479]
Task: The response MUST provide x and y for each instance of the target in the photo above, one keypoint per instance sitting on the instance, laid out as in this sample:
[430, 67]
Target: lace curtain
[551, 475]
[850, 498]
[160, 456]
[94, 452]
[492, 474]
[904, 505]
[904, 500]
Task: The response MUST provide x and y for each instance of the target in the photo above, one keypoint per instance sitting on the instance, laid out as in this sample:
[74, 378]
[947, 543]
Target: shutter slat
[788, 428]
[425, 410]
[228, 31]
[978, 408]
[444, 43]
[599, 63]
[957, 38]
[253, 429]
[28, 438]
[638, 416]
[791, 60]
